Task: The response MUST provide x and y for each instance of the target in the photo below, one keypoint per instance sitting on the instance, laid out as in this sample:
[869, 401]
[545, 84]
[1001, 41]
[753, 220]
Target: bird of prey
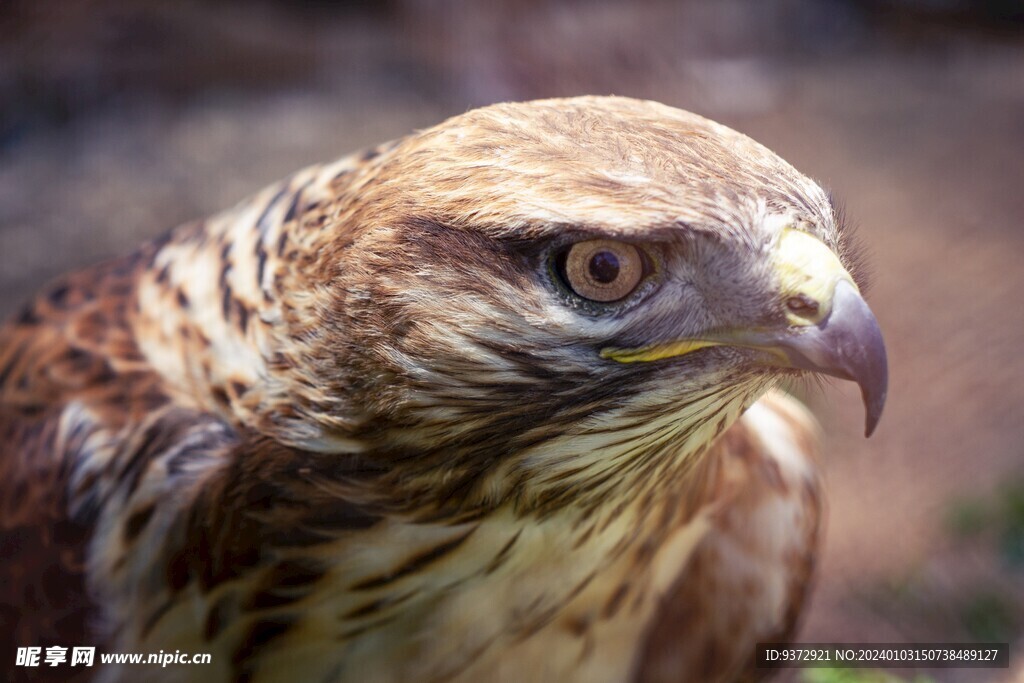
[493, 402]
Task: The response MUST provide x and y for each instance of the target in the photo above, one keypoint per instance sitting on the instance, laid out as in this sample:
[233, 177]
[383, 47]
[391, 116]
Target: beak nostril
[802, 305]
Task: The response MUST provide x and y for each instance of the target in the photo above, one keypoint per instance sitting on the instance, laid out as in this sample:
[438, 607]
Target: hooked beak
[833, 332]
[847, 344]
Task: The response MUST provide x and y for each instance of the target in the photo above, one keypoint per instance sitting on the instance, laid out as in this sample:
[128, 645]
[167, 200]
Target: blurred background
[122, 118]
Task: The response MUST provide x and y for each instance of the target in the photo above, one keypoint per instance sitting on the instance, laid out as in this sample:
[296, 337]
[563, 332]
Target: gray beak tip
[874, 402]
[861, 352]
[848, 344]
[873, 416]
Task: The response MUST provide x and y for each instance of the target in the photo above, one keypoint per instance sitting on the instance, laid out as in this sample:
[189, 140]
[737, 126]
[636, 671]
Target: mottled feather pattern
[351, 429]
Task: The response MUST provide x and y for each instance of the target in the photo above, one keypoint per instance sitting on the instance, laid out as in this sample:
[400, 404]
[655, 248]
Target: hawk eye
[603, 270]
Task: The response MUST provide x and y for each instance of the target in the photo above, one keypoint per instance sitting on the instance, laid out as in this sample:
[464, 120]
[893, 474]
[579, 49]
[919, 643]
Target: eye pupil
[602, 270]
[604, 267]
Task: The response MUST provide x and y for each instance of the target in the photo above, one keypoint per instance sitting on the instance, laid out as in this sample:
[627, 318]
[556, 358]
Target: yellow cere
[808, 268]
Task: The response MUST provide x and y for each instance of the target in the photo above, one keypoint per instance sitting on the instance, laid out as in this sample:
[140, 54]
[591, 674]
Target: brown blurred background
[122, 118]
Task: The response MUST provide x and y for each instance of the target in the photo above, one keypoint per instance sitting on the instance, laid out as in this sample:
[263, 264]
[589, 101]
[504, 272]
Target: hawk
[494, 401]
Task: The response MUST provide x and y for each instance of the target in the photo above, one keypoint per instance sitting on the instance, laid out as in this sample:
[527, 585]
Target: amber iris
[603, 270]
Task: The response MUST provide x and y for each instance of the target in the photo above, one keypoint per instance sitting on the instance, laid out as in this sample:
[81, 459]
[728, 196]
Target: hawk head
[556, 298]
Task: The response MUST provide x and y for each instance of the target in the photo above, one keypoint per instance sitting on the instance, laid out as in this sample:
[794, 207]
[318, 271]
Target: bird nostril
[802, 305]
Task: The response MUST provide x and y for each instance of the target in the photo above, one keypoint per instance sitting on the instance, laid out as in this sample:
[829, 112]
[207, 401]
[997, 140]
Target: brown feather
[355, 425]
